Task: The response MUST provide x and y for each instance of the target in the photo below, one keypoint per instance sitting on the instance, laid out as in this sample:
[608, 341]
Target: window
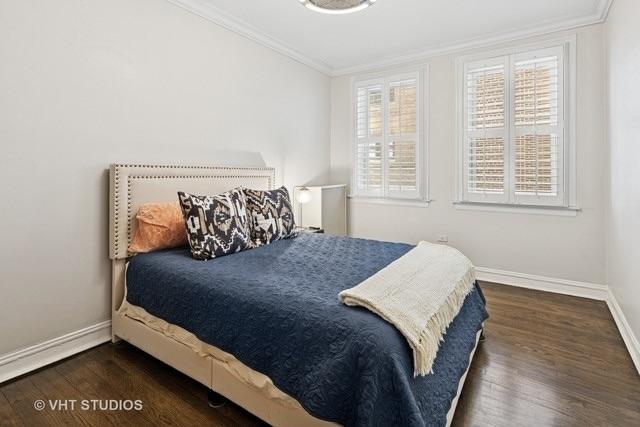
[388, 149]
[515, 141]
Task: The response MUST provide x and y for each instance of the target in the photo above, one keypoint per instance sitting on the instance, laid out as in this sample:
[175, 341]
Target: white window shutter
[369, 129]
[387, 134]
[513, 148]
[486, 131]
[402, 138]
[538, 127]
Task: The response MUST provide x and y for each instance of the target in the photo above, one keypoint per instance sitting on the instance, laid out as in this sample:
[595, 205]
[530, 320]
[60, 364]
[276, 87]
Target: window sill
[518, 209]
[412, 203]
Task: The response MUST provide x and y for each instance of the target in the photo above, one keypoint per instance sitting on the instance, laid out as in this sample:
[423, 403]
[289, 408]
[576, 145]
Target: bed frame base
[224, 386]
[213, 374]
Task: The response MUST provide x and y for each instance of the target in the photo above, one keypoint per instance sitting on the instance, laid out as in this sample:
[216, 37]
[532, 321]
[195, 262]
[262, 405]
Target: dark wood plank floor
[548, 360]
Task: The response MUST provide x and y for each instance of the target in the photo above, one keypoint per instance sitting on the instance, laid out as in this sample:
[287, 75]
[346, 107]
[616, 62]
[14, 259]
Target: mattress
[276, 310]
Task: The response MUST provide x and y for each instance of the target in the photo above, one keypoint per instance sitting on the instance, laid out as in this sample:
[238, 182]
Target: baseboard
[542, 283]
[630, 339]
[28, 359]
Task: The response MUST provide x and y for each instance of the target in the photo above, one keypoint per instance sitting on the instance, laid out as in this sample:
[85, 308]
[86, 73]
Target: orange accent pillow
[160, 226]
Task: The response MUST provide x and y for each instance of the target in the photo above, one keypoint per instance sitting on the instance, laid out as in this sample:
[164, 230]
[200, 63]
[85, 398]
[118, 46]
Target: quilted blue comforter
[276, 309]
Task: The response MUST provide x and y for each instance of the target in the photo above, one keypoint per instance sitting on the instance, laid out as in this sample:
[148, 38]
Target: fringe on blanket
[426, 349]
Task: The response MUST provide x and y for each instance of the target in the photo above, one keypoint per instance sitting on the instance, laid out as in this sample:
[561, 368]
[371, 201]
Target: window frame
[420, 196]
[567, 182]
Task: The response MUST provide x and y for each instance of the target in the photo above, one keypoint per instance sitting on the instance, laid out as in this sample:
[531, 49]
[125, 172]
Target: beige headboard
[133, 185]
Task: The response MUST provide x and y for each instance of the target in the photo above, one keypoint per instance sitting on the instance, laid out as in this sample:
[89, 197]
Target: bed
[265, 327]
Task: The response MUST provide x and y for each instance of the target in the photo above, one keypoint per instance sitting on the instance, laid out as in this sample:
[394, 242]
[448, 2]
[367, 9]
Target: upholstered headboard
[133, 185]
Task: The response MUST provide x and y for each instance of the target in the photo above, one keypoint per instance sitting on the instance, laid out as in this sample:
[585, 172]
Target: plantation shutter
[370, 137]
[387, 152]
[486, 130]
[513, 129]
[402, 138]
[538, 127]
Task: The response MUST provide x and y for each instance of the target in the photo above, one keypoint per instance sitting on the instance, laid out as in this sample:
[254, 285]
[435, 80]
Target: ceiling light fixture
[336, 7]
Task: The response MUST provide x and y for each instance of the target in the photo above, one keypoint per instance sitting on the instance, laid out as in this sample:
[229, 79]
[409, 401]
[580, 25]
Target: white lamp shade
[304, 195]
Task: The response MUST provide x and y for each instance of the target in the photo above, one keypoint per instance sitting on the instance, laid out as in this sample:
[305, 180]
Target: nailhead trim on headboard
[116, 201]
[128, 211]
[257, 168]
[137, 171]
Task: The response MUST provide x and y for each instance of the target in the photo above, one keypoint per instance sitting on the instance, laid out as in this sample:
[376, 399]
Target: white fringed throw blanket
[420, 294]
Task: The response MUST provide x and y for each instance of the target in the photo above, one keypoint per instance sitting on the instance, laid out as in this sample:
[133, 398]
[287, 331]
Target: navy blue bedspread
[276, 309]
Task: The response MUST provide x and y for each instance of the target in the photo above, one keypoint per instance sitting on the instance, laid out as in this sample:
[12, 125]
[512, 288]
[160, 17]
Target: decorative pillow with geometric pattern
[216, 225]
[272, 215]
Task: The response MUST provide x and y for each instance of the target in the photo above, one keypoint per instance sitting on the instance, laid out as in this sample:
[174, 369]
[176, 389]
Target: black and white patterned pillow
[216, 225]
[271, 214]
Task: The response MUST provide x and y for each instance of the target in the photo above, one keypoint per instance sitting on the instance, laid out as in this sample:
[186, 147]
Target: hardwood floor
[548, 360]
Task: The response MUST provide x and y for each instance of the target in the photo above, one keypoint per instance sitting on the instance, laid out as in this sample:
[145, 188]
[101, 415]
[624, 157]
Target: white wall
[558, 247]
[623, 214]
[84, 83]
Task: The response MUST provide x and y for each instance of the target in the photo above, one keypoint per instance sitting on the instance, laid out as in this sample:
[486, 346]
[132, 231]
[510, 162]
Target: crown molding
[481, 42]
[211, 13]
[206, 10]
[603, 9]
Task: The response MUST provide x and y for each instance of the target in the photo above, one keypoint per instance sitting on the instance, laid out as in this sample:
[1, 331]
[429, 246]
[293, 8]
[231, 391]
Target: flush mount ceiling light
[336, 6]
